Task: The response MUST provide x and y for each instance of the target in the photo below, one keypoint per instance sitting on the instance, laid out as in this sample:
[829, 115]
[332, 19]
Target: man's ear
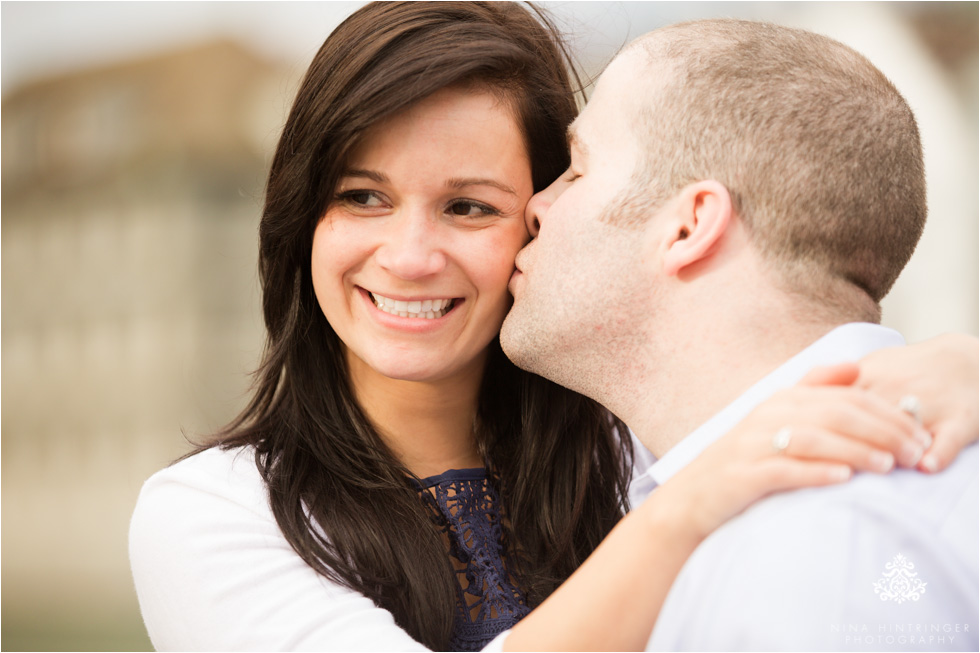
[703, 211]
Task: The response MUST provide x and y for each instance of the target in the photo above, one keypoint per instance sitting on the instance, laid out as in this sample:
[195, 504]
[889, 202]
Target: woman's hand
[942, 374]
[813, 434]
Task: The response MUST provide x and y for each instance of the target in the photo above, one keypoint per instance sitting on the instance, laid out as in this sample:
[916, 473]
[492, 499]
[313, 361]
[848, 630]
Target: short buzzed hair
[820, 152]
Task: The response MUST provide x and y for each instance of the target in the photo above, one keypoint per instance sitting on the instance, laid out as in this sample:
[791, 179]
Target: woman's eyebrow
[460, 182]
[455, 182]
[369, 174]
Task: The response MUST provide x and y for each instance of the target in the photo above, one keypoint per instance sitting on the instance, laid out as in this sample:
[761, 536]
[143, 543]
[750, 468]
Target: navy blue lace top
[466, 510]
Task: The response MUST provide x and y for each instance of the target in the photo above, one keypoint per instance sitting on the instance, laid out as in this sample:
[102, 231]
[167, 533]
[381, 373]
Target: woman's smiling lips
[415, 312]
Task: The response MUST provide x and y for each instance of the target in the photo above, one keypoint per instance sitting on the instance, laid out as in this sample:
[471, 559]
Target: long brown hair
[341, 498]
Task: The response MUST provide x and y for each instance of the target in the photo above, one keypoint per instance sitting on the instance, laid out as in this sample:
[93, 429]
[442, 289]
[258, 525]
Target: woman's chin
[416, 364]
[401, 369]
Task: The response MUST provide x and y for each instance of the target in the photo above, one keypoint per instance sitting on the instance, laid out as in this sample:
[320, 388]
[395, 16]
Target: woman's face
[411, 260]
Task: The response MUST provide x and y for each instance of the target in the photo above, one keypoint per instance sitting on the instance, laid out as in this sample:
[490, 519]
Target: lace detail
[466, 510]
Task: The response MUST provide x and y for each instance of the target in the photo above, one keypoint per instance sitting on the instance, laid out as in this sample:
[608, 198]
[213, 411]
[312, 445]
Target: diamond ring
[911, 405]
[780, 441]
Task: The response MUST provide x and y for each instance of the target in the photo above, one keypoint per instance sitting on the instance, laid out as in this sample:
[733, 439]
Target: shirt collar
[849, 342]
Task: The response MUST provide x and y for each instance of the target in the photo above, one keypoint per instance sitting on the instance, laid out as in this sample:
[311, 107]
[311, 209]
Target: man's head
[819, 151]
[794, 146]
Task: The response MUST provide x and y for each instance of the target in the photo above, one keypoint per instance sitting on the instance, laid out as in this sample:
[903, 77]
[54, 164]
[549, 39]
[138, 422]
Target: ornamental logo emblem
[899, 583]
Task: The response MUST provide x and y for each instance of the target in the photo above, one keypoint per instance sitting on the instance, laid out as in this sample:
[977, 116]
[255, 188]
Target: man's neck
[702, 372]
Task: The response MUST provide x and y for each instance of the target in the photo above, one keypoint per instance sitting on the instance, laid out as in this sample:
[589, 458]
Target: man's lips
[512, 284]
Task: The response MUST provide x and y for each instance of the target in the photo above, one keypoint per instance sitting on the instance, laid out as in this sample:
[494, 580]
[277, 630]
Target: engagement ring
[780, 441]
[911, 405]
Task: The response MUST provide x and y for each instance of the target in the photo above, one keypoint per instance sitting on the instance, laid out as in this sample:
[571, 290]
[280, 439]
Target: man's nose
[412, 249]
[539, 204]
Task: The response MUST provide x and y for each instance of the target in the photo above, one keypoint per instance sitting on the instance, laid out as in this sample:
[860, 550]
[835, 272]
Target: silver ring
[911, 405]
[780, 441]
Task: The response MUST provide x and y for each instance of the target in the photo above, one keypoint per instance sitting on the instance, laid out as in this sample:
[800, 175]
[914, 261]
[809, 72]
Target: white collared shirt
[879, 563]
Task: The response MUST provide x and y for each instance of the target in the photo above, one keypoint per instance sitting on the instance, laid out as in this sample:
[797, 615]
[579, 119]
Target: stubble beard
[533, 338]
[588, 354]
[541, 339]
[521, 338]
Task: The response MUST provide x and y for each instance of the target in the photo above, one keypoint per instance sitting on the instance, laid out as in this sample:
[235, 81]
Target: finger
[904, 422]
[816, 444]
[950, 440]
[779, 474]
[886, 410]
[871, 421]
[816, 400]
[842, 374]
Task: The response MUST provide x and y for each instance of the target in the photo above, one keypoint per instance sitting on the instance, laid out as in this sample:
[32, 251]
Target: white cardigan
[214, 572]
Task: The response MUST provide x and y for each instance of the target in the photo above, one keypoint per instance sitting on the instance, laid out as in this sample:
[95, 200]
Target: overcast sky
[41, 39]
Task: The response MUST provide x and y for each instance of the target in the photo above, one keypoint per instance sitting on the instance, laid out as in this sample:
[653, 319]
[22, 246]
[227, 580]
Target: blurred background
[135, 141]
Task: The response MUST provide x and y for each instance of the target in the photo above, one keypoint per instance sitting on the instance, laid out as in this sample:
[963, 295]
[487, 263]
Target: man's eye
[471, 209]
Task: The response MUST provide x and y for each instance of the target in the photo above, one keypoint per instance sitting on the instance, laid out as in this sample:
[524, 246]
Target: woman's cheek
[501, 250]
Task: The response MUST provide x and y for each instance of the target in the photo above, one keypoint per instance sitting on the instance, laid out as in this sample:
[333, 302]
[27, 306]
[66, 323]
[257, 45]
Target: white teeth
[429, 309]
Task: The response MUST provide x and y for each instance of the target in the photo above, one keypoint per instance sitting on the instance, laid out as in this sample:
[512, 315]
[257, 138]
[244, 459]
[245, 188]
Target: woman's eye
[571, 176]
[471, 209]
[361, 198]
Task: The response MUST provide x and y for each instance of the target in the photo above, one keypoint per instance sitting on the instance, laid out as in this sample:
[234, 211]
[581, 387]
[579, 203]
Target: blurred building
[131, 198]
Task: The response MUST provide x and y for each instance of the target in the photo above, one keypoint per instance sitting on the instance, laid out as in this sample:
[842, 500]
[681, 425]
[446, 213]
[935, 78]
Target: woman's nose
[412, 248]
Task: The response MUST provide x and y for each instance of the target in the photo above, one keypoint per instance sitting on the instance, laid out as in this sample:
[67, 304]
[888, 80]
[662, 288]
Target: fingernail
[923, 437]
[882, 461]
[930, 462]
[911, 453]
[841, 473]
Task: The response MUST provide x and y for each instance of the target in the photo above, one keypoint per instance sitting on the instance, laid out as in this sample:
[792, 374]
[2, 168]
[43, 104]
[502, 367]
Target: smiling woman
[412, 259]
[393, 213]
